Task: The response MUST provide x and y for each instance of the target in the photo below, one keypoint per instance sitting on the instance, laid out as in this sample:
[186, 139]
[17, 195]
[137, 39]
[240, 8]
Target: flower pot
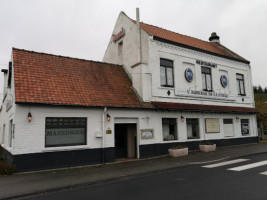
[207, 148]
[178, 152]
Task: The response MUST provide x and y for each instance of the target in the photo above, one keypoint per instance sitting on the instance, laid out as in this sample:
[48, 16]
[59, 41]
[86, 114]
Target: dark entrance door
[121, 141]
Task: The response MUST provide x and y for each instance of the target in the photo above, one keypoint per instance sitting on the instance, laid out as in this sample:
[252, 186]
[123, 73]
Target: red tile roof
[50, 79]
[203, 108]
[187, 41]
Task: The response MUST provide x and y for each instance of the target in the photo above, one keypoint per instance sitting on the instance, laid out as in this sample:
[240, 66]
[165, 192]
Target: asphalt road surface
[244, 178]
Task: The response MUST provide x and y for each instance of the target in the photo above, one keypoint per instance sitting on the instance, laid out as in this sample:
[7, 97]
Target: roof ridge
[50, 54]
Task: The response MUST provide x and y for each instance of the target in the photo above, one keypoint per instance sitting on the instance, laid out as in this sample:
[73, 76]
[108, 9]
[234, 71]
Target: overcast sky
[82, 28]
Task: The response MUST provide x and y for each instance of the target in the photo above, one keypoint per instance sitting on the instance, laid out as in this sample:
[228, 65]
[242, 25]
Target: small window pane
[242, 89]
[239, 76]
[228, 121]
[162, 76]
[208, 76]
[204, 82]
[166, 63]
[169, 77]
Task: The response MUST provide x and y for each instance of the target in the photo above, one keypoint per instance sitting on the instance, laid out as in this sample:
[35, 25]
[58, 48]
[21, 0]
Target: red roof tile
[50, 79]
[203, 108]
[208, 47]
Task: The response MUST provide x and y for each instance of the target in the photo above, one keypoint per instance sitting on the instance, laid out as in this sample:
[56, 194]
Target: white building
[162, 89]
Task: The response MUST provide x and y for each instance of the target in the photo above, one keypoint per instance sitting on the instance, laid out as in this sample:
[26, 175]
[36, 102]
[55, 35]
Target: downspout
[103, 135]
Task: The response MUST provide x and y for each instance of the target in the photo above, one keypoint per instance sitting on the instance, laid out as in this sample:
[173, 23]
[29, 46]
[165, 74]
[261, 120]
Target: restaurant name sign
[204, 94]
[116, 37]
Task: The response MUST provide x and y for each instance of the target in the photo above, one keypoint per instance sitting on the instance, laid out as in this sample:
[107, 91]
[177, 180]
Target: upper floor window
[206, 79]
[240, 84]
[166, 73]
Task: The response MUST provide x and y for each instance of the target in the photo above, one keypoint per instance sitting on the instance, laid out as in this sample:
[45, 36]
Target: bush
[5, 167]
[206, 143]
[179, 147]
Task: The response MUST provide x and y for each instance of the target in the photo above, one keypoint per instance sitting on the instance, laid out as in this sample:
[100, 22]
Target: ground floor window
[169, 129]
[245, 126]
[65, 131]
[228, 127]
[192, 128]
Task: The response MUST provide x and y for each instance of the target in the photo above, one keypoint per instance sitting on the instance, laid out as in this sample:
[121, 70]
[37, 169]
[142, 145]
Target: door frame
[129, 120]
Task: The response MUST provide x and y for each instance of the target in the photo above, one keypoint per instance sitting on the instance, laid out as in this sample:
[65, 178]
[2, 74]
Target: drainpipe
[103, 135]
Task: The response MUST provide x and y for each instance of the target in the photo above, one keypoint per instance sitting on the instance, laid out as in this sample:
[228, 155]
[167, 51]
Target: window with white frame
[245, 126]
[166, 73]
[228, 127]
[206, 79]
[240, 84]
[169, 129]
[192, 128]
[65, 131]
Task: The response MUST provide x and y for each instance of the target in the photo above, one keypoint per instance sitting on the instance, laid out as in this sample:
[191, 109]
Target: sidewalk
[22, 184]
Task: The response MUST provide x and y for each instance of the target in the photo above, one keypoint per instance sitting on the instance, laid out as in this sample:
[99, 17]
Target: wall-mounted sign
[67, 136]
[204, 63]
[224, 80]
[189, 74]
[108, 131]
[118, 36]
[147, 133]
[204, 94]
[212, 125]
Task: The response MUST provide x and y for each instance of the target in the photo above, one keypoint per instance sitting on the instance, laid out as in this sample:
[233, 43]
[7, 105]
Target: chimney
[214, 38]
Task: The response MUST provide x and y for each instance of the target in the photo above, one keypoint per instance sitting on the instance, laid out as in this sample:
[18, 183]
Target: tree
[260, 90]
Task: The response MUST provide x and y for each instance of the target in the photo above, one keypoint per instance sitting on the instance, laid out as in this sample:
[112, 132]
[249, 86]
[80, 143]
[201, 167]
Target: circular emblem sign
[189, 74]
[224, 80]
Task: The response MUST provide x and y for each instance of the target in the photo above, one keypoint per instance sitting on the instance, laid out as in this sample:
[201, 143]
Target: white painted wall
[183, 58]
[30, 136]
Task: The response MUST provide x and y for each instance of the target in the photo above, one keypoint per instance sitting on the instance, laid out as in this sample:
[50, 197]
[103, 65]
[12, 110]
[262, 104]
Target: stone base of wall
[60, 159]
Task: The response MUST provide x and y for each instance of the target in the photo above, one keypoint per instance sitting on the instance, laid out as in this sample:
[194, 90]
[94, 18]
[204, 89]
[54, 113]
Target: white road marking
[249, 166]
[264, 173]
[225, 163]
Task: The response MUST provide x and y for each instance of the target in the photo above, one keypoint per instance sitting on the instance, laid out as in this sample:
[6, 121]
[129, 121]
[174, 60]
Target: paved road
[235, 179]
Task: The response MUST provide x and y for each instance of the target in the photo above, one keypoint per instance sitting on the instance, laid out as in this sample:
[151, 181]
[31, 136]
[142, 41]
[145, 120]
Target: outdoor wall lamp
[29, 117]
[108, 117]
[182, 118]
[237, 119]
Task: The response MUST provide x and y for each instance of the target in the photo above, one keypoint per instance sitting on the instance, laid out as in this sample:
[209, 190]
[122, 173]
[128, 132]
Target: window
[245, 126]
[10, 133]
[228, 127]
[169, 129]
[192, 128]
[206, 79]
[65, 131]
[240, 84]
[166, 73]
